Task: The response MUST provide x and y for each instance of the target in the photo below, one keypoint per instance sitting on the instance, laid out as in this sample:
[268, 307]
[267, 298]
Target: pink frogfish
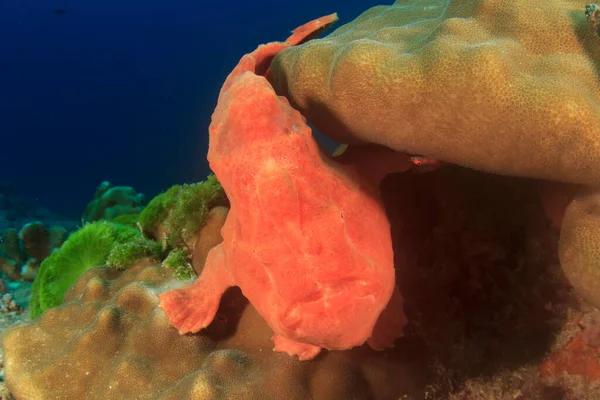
[307, 239]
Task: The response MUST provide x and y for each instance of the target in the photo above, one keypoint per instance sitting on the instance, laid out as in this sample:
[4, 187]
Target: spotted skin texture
[307, 238]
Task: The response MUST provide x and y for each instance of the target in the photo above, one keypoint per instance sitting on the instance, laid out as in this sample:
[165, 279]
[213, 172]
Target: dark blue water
[123, 90]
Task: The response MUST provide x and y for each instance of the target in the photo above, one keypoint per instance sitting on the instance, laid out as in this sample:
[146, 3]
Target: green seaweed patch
[180, 262]
[191, 210]
[125, 254]
[157, 211]
[88, 247]
[127, 219]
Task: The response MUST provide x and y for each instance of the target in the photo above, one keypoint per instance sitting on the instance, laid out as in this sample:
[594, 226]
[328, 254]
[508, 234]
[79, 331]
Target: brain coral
[504, 86]
[111, 340]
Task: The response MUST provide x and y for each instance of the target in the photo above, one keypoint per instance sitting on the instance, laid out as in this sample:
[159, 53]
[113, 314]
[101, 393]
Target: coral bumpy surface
[504, 86]
[111, 340]
[306, 240]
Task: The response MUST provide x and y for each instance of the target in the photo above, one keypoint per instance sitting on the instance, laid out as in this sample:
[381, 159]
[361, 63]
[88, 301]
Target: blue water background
[123, 90]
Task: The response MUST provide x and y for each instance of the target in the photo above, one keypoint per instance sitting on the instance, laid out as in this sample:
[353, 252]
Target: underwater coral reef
[447, 250]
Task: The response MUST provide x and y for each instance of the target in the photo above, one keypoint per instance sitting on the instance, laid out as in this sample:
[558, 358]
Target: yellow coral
[110, 340]
[505, 86]
[580, 244]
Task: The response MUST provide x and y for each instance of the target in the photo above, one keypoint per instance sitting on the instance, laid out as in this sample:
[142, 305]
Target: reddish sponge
[306, 239]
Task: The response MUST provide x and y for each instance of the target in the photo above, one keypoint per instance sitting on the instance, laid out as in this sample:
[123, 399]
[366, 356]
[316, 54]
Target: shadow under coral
[477, 263]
